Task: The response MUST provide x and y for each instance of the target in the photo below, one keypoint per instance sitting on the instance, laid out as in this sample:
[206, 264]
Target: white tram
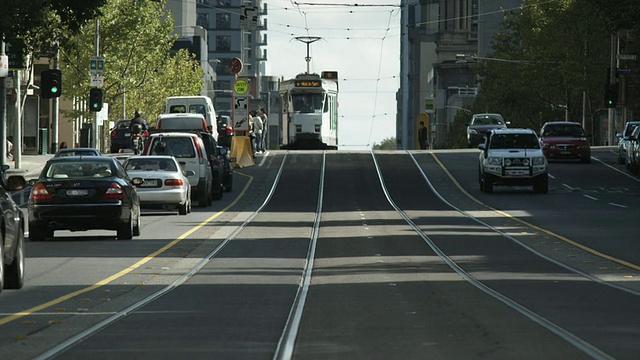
[310, 111]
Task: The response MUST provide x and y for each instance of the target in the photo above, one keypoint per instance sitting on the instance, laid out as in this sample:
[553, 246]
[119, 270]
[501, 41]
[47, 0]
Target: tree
[555, 51]
[135, 42]
[386, 144]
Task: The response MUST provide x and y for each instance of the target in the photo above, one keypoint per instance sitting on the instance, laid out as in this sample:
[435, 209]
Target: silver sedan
[161, 182]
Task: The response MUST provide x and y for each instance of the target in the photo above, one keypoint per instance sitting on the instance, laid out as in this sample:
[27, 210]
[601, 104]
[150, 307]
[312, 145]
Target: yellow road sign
[241, 86]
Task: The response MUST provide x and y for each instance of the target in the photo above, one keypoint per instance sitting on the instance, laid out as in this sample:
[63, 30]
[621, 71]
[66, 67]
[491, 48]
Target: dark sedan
[564, 140]
[77, 152]
[120, 136]
[80, 193]
[12, 244]
[480, 126]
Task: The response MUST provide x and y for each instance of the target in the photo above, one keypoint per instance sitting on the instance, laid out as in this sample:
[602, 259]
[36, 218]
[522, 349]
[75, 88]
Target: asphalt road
[534, 276]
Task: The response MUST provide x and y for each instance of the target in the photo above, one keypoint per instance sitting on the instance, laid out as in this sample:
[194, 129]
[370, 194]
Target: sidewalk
[30, 166]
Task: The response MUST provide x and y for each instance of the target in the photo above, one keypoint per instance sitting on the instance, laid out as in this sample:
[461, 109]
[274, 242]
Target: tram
[310, 111]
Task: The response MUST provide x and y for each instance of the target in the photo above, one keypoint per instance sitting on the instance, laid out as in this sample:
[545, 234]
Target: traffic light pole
[612, 81]
[55, 107]
[3, 112]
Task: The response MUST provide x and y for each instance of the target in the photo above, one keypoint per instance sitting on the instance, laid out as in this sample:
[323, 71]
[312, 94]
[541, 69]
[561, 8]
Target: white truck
[512, 157]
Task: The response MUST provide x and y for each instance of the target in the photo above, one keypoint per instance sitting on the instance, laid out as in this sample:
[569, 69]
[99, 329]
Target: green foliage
[555, 51]
[457, 135]
[135, 41]
[386, 144]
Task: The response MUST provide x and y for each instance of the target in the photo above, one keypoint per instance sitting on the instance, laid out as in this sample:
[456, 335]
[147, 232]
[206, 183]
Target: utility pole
[94, 134]
[17, 126]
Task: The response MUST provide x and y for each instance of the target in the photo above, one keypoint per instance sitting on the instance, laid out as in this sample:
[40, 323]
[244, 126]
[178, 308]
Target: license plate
[149, 183]
[127, 134]
[76, 192]
[565, 152]
[516, 172]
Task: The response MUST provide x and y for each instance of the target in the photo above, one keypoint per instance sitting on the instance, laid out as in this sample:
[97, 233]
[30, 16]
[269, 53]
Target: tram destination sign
[308, 83]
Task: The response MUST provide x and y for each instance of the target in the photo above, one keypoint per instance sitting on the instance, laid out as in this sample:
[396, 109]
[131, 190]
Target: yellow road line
[129, 269]
[505, 214]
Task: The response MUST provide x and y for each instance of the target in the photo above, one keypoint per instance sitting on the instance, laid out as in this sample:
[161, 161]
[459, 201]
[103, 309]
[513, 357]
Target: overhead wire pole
[308, 40]
[3, 110]
[55, 105]
[612, 80]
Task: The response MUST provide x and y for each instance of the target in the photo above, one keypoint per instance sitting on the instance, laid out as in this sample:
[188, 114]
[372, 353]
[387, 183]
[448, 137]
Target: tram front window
[307, 103]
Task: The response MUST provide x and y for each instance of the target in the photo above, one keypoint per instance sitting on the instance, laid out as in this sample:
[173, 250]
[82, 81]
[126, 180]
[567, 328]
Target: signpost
[241, 105]
[248, 17]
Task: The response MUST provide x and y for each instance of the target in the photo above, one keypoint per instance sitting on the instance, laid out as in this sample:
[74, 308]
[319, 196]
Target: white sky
[361, 42]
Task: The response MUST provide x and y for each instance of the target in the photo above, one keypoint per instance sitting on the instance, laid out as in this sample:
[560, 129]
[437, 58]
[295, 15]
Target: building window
[223, 85]
[223, 21]
[222, 68]
[223, 43]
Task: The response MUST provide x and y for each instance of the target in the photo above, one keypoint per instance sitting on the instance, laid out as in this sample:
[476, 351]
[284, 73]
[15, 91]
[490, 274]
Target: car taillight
[173, 182]
[229, 130]
[114, 134]
[199, 150]
[114, 192]
[39, 192]
[209, 128]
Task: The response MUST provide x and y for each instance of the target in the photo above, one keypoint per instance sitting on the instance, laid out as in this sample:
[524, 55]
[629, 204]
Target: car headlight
[538, 160]
[494, 161]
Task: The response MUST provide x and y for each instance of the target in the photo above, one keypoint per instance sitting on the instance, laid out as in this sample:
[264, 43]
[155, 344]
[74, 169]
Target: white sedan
[160, 182]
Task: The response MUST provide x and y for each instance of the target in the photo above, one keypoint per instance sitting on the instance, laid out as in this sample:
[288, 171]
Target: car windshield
[123, 124]
[487, 120]
[630, 129]
[563, 130]
[78, 169]
[151, 165]
[180, 147]
[514, 141]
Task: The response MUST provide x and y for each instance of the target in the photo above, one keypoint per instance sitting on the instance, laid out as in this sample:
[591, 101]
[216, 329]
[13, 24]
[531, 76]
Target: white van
[194, 104]
[184, 122]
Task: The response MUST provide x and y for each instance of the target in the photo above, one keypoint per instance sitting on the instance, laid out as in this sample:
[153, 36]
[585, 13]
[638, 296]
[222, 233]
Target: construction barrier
[241, 152]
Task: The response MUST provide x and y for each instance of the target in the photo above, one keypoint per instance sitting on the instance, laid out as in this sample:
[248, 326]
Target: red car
[565, 140]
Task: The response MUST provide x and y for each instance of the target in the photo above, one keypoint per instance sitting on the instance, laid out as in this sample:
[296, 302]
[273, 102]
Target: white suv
[512, 157]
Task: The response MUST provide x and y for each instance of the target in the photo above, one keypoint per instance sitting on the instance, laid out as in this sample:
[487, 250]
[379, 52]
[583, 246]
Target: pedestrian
[9, 148]
[265, 126]
[63, 145]
[252, 135]
[256, 121]
[422, 136]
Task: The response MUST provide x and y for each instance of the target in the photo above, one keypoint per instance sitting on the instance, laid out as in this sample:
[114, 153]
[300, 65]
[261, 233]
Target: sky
[361, 42]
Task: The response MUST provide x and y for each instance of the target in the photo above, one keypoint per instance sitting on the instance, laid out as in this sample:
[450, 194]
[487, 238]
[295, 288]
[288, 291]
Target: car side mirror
[481, 146]
[189, 173]
[15, 182]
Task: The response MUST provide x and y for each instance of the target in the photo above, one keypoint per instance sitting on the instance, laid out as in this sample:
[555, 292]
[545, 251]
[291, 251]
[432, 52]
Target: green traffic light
[54, 90]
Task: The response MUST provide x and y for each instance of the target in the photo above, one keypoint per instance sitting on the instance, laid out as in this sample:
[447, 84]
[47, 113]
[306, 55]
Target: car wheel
[217, 195]
[487, 183]
[38, 234]
[125, 230]
[541, 184]
[228, 186]
[183, 209]
[14, 272]
[620, 160]
[136, 227]
[203, 200]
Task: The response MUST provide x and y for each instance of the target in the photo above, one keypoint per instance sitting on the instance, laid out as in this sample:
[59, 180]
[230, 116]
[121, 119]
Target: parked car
[633, 151]
[196, 152]
[225, 130]
[564, 140]
[161, 182]
[512, 157]
[623, 140]
[77, 152]
[227, 177]
[80, 193]
[481, 124]
[12, 258]
[120, 136]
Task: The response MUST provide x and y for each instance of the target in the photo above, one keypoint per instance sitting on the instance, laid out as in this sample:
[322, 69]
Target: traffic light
[95, 99]
[611, 95]
[50, 83]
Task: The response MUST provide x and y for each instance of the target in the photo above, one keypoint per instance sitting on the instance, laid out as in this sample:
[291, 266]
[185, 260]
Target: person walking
[265, 126]
[422, 136]
[256, 122]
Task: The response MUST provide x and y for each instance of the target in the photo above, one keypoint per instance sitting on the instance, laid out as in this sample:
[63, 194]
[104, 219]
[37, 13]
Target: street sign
[97, 65]
[240, 86]
[623, 70]
[248, 17]
[241, 113]
[97, 80]
[235, 65]
[626, 57]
